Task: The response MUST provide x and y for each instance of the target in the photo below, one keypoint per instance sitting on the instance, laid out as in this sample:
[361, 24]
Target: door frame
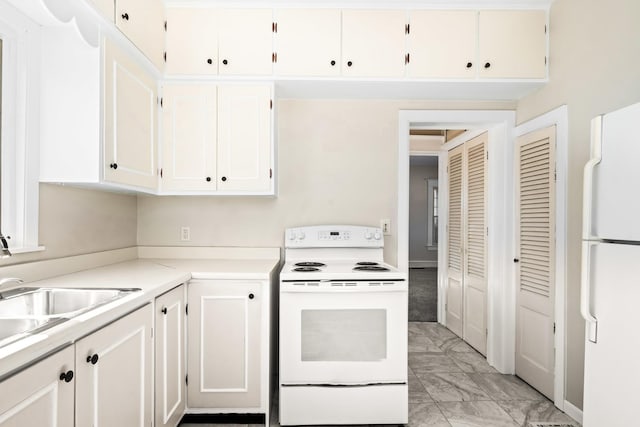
[500, 293]
[560, 119]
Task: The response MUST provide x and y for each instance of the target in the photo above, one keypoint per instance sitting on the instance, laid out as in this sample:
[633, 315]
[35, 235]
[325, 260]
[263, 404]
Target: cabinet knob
[93, 359]
[224, 178]
[469, 64]
[209, 61]
[164, 310]
[487, 64]
[516, 260]
[225, 62]
[66, 376]
[349, 64]
[125, 16]
[208, 179]
[251, 296]
[113, 166]
[333, 63]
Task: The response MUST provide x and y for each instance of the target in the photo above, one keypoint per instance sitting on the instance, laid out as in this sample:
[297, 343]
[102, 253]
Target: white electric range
[343, 329]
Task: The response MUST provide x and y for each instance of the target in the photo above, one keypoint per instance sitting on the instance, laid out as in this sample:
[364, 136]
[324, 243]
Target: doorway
[423, 238]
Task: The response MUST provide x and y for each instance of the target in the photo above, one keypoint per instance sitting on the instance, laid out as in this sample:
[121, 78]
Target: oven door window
[347, 335]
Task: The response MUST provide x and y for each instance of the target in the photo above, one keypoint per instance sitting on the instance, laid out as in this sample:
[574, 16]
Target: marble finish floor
[452, 385]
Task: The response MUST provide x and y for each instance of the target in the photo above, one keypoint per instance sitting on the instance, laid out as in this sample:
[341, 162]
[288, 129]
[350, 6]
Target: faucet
[4, 247]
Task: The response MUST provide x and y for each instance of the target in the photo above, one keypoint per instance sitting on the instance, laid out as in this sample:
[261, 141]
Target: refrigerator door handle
[587, 183]
[585, 292]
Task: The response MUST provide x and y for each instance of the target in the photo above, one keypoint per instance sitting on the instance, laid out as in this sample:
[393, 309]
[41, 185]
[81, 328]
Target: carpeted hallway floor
[423, 294]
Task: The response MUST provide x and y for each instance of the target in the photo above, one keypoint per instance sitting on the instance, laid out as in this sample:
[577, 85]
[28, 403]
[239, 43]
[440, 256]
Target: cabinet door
[373, 43]
[512, 44]
[192, 41]
[442, 44]
[244, 138]
[189, 137]
[116, 389]
[171, 392]
[129, 121]
[308, 42]
[224, 344]
[37, 396]
[245, 42]
[142, 21]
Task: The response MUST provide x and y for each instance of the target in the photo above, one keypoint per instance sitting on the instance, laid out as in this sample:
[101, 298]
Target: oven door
[342, 336]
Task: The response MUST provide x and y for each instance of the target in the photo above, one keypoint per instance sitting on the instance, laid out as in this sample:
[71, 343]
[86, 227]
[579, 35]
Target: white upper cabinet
[192, 41]
[189, 135]
[512, 44]
[307, 42]
[245, 41]
[105, 7]
[443, 44]
[142, 21]
[130, 108]
[373, 43]
[244, 138]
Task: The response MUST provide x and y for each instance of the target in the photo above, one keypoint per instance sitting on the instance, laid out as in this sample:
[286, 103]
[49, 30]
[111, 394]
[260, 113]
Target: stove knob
[292, 235]
[367, 235]
[301, 235]
[377, 236]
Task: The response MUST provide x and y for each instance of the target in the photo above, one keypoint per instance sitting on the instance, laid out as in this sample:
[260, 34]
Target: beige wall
[77, 221]
[337, 163]
[594, 68]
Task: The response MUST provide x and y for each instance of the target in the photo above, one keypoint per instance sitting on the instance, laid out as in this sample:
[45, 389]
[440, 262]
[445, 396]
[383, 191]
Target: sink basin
[14, 329]
[57, 302]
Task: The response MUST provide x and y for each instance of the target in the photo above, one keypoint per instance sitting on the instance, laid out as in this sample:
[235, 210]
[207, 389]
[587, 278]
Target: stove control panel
[334, 236]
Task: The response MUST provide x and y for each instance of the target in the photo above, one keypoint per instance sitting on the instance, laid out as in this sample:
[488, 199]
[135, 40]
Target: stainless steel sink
[26, 311]
[65, 302]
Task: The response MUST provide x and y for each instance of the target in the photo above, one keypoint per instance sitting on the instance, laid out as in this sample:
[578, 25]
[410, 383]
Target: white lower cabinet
[113, 373]
[41, 395]
[227, 346]
[170, 387]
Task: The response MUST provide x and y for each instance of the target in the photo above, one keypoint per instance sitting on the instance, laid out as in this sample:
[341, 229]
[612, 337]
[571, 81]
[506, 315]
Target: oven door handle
[302, 289]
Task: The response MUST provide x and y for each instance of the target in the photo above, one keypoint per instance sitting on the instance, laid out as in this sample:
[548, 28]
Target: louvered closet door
[454, 305]
[535, 223]
[475, 246]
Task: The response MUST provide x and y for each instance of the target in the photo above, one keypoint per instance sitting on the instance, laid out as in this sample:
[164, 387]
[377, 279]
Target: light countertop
[153, 276]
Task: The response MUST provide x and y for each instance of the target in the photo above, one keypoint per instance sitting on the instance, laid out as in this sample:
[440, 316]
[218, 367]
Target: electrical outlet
[385, 224]
[185, 234]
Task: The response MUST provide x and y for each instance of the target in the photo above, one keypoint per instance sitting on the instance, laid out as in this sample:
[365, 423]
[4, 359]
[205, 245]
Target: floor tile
[417, 392]
[432, 362]
[447, 387]
[526, 411]
[458, 346]
[476, 414]
[471, 362]
[422, 344]
[506, 387]
[426, 415]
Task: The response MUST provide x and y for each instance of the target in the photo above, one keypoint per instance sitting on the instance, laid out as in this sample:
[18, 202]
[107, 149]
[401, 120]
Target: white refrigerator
[610, 289]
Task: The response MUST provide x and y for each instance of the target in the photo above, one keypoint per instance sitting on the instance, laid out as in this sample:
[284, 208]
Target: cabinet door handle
[487, 64]
[113, 166]
[208, 179]
[225, 62]
[66, 376]
[251, 296]
[349, 63]
[224, 178]
[93, 359]
[209, 61]
[125, 16]
[164, 310]
[469, 64]
[333, 63]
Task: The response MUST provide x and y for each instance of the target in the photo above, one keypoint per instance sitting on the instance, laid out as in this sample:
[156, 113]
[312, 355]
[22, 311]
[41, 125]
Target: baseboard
[571, 410]
[423, 264]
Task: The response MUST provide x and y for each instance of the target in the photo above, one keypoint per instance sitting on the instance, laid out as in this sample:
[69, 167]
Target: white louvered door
[475, 243]
[535, 234]
[455, 230]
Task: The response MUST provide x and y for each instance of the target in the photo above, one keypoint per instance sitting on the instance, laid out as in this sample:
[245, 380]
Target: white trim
[501, 312]
[432, 183]
[560, 118]
[423, 264]
[20, 128]
[573, 411]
